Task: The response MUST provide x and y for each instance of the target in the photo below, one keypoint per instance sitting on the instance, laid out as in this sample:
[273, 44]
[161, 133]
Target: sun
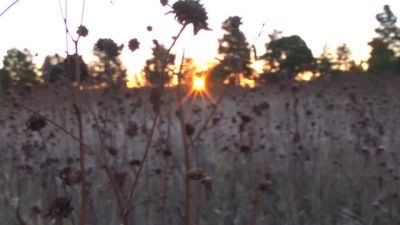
[198, 83]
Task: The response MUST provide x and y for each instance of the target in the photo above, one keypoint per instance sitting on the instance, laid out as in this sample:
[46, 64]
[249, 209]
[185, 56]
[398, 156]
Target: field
[326, 152]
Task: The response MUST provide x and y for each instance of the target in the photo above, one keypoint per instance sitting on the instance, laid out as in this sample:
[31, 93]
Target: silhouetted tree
[343, 57]
[18, 64]
[159, 69]
[53, 69]
[324, 62]
[289, 54]
[388, 31]
[235, 52]
[382, 58]
[5, 80]
[110, 68]
[385, 52]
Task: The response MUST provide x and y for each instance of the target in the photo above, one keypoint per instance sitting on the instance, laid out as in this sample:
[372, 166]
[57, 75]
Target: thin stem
[148, 144]
[82, 161]
[187, 204]
[83, 10]
[255, 203]
[64, 18]
[172, 45]
[146, 152]
[9, 7]
[204, 126]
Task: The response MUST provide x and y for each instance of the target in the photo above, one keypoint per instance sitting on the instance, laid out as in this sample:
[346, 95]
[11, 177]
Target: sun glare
[199, 83]
[135, 81]
[306, 76]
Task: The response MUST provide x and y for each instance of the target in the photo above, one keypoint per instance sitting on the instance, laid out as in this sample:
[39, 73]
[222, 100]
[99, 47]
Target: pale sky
[38, 26]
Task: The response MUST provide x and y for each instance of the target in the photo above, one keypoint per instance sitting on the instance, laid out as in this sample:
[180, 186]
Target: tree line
[284, 58]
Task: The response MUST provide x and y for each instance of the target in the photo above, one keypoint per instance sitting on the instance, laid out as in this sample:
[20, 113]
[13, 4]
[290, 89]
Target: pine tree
[110, 67]
[234, 50]
[324, 62]
[19, 65]
[343, 57]
[158, 70]
[388, 31]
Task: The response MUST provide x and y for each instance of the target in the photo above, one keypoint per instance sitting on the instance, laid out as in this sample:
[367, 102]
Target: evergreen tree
[343, 57]
[234, 50]
[159, 69]
[388, 31]
[53, 69]
[382, 58]
[324, 62]
[19, 66]
[5, 80]
[385, 49]
[289, 54]
[110, 68]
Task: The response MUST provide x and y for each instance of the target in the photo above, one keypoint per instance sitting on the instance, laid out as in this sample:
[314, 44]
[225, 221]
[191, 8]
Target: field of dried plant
[322, 153]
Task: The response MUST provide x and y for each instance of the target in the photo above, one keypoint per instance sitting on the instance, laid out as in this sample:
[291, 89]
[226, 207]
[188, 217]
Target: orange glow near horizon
[306, 76]
[199, 83]
[198, 87]
[135, 81]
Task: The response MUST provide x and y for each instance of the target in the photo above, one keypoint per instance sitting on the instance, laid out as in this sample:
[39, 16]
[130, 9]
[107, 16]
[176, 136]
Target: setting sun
[199, 83]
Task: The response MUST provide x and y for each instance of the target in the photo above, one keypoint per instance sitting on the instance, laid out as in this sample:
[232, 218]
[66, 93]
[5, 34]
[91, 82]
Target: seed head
[82, 31]
[189, 129]
[132, 129]
[36, 123]
[195, 174]
[108, 47]
[60, 207]
[164, 2]
[133, 44]
[112, 151]
[207, 182]
[70, 176]
[191, 11]
[264, 185]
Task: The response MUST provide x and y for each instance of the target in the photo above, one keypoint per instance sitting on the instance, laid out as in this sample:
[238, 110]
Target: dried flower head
[191, 11]
[189, 129]
[133, 44]
[69, 176]
[245, 118]
[132, 129]
[60, 207]
[108, 47]
[36, 123]
[134, 162]
[245, 148]
[164, 2]
[264, 185]
[207, 182]
[82, 31]
[112, 151]
[167, 152]
[195, 174]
